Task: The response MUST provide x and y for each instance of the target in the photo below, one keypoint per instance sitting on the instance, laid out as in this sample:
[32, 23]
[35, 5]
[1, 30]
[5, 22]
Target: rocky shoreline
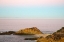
[57, 36]
[26, 31]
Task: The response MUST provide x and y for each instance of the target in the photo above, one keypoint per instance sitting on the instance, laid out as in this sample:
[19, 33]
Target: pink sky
[30, 2]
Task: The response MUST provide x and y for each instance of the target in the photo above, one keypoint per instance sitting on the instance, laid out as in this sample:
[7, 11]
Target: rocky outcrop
[7, 33]
[29, 31]
[49, 40]
[49, 36]
[59, 33]
[57, 36]
[61, 30]
[41, 39]
[30, 39]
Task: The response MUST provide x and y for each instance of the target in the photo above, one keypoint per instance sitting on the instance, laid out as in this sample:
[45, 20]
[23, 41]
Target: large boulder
[29, 31]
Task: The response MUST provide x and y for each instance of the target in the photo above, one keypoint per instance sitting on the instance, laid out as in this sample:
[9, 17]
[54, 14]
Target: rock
[41, 39]
[7, 33]
[49, 40]
[30, 39]
[59, 34]
[29, 31]
[61, 31]
[49, 36]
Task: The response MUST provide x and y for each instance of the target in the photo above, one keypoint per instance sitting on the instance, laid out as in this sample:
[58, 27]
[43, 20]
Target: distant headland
[26, 31]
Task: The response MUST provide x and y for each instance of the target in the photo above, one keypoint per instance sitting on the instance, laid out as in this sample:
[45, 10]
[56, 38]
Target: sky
[32, 9]
[19, 14]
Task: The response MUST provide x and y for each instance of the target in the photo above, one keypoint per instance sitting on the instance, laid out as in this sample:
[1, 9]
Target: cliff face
[32, 30]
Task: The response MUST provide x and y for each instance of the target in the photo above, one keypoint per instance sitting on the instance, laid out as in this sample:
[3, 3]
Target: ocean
[15, 38]
[19, 38]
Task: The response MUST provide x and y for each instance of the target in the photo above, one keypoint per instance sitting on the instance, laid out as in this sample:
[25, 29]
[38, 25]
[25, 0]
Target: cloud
[30, 2]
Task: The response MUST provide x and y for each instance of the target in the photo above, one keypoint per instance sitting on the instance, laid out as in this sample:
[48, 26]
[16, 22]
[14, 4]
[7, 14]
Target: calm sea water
[15, 38]
[18, 38]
